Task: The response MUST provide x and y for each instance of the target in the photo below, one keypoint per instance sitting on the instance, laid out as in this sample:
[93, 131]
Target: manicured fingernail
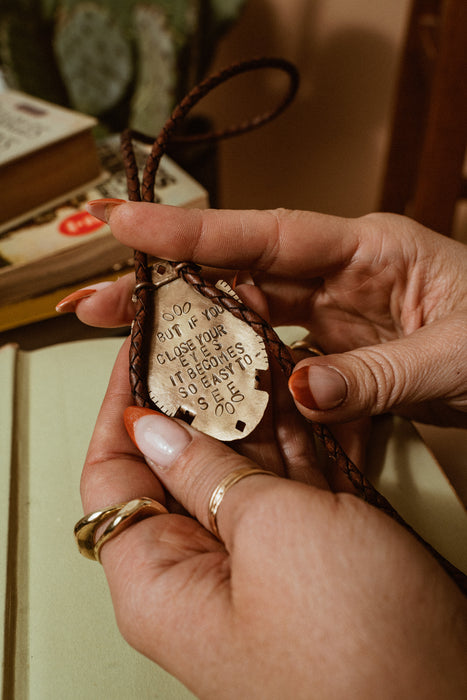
[318, 387]
[160, 439]
[68, 303]
[101, 208]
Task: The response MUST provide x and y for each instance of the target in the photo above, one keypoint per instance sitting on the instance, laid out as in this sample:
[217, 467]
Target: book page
[67, 638]
[8, 355]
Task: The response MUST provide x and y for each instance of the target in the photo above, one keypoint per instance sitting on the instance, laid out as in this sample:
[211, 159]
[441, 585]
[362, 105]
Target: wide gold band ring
[221, 489]
[121, 516]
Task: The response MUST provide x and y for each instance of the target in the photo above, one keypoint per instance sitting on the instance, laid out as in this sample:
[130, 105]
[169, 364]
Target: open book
[61, 640]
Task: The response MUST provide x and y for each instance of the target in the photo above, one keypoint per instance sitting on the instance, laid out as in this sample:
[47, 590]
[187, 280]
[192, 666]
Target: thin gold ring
[124, 515]
[304, 345]
[221, 489]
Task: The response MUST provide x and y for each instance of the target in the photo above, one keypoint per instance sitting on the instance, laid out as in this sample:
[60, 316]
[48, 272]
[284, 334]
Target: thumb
[425, 366]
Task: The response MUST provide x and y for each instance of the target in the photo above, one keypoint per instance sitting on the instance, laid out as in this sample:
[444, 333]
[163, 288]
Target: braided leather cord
[138, 360]
[190, 273]
[143, 279]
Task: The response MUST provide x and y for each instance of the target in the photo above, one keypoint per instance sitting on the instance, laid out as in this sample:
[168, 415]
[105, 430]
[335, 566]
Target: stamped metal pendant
[204, 363]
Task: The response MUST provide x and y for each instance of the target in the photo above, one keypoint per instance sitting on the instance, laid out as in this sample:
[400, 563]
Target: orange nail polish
[68, 303]
[101, 208]
[319, 387]
[131, 416]
[300, 388]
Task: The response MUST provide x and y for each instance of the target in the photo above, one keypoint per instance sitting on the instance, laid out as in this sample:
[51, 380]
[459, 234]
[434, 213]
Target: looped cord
[145, 192]
[191, 273]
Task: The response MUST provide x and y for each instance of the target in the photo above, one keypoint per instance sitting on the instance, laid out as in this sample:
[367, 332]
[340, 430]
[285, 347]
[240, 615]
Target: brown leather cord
[146, 191]
[191, 274]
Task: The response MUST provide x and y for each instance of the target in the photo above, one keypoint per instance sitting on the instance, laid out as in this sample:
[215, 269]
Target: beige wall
[326, 152]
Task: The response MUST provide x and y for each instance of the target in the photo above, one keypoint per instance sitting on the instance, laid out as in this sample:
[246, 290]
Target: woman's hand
[314, 594]
[385, 297]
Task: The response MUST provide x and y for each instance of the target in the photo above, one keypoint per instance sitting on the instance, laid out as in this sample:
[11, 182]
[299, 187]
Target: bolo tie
[185, 326]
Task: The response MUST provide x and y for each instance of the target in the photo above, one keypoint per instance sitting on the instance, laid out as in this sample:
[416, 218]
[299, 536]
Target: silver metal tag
[204, 363]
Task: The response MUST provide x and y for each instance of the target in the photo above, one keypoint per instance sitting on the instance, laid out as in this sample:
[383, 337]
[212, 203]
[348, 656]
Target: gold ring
[221, 489]
[124, 515]
[304, 345]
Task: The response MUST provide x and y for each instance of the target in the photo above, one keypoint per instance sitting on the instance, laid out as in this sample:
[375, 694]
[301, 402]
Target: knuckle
[195, 491]
[381, 379]
[192, 230]
[273, 245]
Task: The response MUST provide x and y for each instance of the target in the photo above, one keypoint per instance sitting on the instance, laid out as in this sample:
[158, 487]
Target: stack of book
[50, 166]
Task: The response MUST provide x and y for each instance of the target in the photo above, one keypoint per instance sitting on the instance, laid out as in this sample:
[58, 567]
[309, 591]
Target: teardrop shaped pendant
[203, 363]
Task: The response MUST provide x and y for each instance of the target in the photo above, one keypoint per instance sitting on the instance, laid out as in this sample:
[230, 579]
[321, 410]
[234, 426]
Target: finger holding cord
[249, 240]
[103, 305]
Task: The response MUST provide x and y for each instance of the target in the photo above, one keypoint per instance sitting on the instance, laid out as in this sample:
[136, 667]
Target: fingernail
[318, 387]
[101, 208]
[160, 439]
[68, 303]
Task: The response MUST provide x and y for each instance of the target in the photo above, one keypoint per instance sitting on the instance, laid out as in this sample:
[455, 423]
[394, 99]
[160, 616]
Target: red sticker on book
[79, 224]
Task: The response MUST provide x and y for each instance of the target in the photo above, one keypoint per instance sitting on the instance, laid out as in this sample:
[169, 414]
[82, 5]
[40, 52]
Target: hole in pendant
[160, 269]
[240, 426]
[185, 414]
